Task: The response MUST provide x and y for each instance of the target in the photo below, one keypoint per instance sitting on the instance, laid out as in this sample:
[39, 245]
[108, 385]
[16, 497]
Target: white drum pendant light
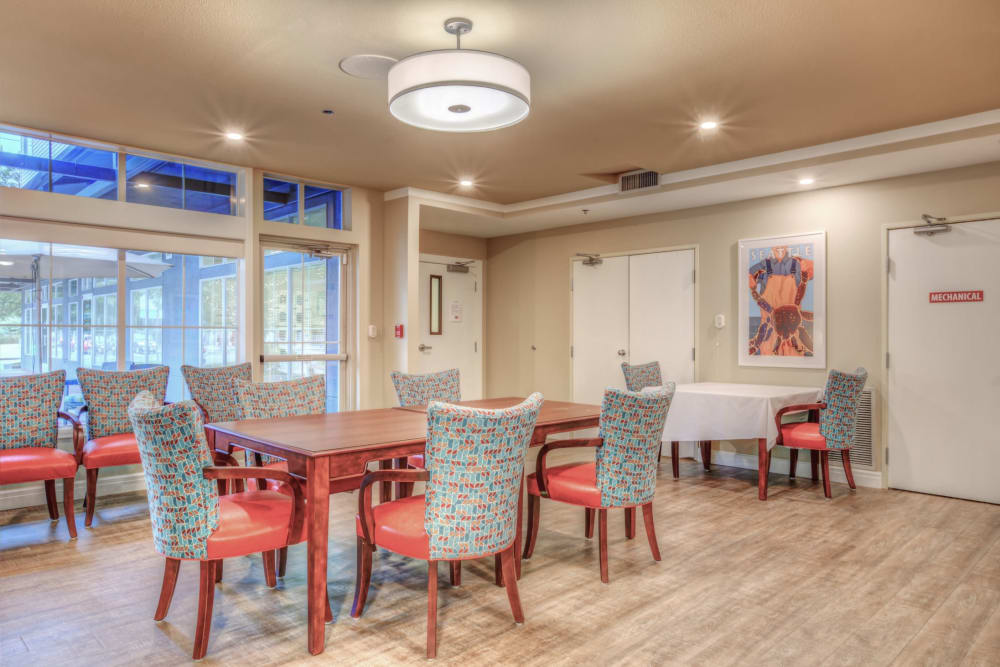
[459, 90]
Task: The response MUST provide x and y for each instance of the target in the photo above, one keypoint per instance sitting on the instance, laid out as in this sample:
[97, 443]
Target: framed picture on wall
[782, 301]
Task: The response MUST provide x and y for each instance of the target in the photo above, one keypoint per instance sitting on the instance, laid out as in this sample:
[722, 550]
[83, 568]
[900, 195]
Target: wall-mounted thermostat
[720, 321]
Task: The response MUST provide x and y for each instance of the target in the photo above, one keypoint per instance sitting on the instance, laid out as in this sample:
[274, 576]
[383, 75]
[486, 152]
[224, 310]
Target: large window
[168, 317]
[302, 319]
[30, 162]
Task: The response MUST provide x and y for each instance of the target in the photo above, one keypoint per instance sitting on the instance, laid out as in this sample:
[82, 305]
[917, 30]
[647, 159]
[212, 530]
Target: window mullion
[121, 322]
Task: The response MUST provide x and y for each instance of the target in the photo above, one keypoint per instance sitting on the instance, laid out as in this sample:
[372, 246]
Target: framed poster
[782, 301]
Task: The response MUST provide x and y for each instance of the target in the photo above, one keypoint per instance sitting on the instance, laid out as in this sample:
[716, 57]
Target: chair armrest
[78, 437]
[794, 408]
[248, 472]
[365, 494]
[541, 472]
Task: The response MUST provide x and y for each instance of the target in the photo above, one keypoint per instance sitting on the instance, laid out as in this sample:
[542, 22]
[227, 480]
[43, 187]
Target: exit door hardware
[934, 225]
[424, 348]
[459, 267]
[592, 258]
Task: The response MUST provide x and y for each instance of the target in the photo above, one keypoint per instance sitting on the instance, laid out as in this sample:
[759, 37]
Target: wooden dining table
[320, 447]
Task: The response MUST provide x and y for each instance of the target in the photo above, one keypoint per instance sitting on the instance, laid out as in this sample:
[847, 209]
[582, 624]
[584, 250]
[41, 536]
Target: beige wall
[452, 245]
[528, 298]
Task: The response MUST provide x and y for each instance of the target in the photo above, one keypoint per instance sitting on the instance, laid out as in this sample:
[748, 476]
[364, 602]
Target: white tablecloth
[725, 411]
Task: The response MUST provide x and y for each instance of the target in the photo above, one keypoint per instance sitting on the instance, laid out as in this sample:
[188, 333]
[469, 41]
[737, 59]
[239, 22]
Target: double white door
[944, 366]
[635, 308]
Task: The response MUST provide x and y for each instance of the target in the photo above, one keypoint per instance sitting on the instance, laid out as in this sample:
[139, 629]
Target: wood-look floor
[867, 578]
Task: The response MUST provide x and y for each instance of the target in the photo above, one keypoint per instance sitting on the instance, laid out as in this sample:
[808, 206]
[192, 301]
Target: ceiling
[615, 84]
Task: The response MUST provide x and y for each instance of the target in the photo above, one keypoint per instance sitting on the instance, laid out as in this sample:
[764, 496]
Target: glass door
[303, 319]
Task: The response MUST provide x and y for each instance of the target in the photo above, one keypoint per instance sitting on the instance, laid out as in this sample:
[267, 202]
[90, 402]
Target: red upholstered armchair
[29, 414]
[830, 426]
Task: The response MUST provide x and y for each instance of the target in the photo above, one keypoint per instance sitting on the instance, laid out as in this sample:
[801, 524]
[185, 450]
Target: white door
[944, 367]
[661, 312]
[600, 327]
[455, 340]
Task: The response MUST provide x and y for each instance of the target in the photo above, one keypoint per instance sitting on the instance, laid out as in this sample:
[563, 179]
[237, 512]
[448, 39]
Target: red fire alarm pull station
[399, 331]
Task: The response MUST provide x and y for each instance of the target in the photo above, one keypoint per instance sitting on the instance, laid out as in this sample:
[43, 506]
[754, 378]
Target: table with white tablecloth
[707, 411]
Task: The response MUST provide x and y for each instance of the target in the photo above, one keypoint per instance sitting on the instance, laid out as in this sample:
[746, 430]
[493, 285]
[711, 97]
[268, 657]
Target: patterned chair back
[632, 427]
[183, 505]
[29, 405]
[422, 389]
[640, 376]
[215, 391]
[837, 421]
[271, 400]
[109, 393]
[475, 459]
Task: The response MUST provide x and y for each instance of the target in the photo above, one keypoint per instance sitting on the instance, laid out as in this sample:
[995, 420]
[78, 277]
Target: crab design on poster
[782, 301]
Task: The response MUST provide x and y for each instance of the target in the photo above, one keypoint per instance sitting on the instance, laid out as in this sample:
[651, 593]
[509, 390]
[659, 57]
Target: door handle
[622, 353]
[423, 347]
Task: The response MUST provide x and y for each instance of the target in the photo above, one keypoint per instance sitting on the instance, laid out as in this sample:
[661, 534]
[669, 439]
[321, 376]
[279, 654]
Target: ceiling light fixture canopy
[459, 90]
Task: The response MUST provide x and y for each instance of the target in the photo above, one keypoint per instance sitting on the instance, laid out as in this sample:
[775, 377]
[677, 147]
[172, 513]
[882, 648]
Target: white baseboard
[867, 478]
[33, 494]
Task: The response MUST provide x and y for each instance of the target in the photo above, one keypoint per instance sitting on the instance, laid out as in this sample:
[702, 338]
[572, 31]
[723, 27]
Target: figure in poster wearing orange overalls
[778, 283]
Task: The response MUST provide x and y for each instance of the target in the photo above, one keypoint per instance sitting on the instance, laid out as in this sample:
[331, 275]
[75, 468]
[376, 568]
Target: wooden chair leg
[206, 597]
[659, 453]
[282, 561]
[68, 507]
[763, 463]
[50, 499]
[91, 496]
[510, 581]
[269, 570]
[218, 572]
[793, 462]
[432, 606]
[647, 518]
[588, 524]
[167, 590]
[534, 516]
[497, 570]
[364, 578]
[629, 523]
[825, 463]
[675, 458]
[706, 454]
[455, 570]
[845, 456]
[602, 529]
[328, 617]
[814, 463]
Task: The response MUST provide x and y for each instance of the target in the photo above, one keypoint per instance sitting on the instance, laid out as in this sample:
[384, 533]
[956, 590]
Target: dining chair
[29, 431]
[622, 476]
[290, 398]
[190, 520]
[214, 392]
[105, 438]
[475, 464]
[414, 389]
[637, 378]
[830, 426]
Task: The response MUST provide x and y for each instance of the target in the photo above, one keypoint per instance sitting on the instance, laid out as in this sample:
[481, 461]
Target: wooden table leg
[675, 462]
[518, 536]
[762, 467]
[400, 486]
[385, 488]
[317, 520]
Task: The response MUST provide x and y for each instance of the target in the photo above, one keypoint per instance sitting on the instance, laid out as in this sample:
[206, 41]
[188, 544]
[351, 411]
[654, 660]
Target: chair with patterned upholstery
[830, 426]
[29, 429]
[214, 390]
[190, 520]
[622, 476]
[292, 398]
[105, 438]
[418, 390]
[640, 376]
[475, 463]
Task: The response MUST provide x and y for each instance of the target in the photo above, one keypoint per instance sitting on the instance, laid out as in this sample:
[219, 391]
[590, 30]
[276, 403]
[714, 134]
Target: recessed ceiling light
[142, 185]
[235, 136]
[466, 182]
[806, 181]
[709, 125]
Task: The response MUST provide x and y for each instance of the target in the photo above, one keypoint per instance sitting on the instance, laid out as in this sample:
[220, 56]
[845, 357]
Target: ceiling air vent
[637, 180]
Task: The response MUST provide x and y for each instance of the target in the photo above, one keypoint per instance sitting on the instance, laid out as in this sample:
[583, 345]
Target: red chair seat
[415, 461]
[399, 527]
[337, 484]
[33, 464]
[111, 450]
[251, 522]
[802, 436]
[574, 483]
